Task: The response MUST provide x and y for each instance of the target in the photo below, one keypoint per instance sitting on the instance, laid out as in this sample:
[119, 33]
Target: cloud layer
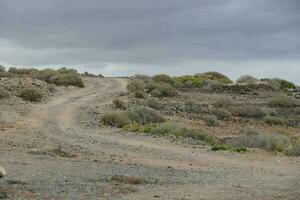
[136, 36]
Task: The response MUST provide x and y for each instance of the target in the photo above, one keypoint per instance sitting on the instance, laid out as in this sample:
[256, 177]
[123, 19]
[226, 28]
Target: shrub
[247, 79]
[31, 94]
[295, 149]
[283, 101]
[156, 93]
[139, 94]
[223, 102]
[140, 128]
[211, 120]
[2, 68]
[282, 84]
[215, 76]
[247, 111]
[67, 79]
[274, 120]
[4, 93]
[21, 71]
[44, 74]
[163, 78]
[115, 119]
[266, 141]
[221, 114]
[297, 110]
[144, 115]
[155, 104]
[151, 86]
[167, 90]
[136, 85]
[119, 104]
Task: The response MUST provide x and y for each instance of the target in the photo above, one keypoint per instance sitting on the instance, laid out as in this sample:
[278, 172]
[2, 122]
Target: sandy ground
[49, 154]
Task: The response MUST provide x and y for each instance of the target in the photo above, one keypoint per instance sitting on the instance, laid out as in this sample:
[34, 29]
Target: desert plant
[247, 79]
[156, 93]
[297, 110]
[247, 111]
[163, 78]
[31, 94]
[295, 149]
[2, 68]
[145, 115]
[274, 120]
[211, 120]
[4, 93]
[136, 85]
[119, 104]
[281, 83]
[283, 101]
[167, 90]
[266, 141]
[155, 104]
[223, 102]
[221, 113]
[67, 79]
[139, 94]
[44, 74]
[115, 119]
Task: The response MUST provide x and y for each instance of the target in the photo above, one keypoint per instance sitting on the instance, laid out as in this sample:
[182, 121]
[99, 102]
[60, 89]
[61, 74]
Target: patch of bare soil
[60, 152]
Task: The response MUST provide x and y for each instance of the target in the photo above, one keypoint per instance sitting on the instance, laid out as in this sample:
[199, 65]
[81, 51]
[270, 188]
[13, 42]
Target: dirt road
[56, 155]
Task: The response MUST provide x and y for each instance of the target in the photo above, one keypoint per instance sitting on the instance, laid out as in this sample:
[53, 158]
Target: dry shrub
[136, 85]
[283, 101]
[247, 111]
[31, 94]
[274, 120]
[139, 94]
[221, 114]
[211, 120]
[223, 102]
[163, 78]
[247, 80]
[119, 104]
[155, 104]
[4, 93]
[115, 119]
[67, 79]
[144, 115]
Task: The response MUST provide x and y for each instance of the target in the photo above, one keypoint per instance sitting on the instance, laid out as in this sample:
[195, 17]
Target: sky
[177, 37]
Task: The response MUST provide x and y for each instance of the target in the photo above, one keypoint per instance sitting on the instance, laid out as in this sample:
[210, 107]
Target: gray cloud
[152, 36]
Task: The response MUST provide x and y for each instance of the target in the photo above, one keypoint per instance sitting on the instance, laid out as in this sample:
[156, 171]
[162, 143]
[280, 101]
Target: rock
[2, 172]
[128, 179]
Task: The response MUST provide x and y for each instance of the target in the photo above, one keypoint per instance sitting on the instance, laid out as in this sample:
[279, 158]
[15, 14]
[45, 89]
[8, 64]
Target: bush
[156, 93]
[221, 114]
[4, 93]
[163, 78]
[2, 68]
[44, 74]
[144, 115]
[155, 104]
[266, 141]
[31, 94]
[67, 79]
[274, 120]
[139, 94]
[297, 110]
[221, 78]
[136, 85]
[295, 149]
[211, 120]
[247, 80]
[223, 102]
[283, 101]
[247, 111]
[115, 119]
[282, 84]
[21, 71]
[119, 104]
[167, 90]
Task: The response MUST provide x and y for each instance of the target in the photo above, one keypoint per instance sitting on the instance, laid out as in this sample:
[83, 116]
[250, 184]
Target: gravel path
[54, 156]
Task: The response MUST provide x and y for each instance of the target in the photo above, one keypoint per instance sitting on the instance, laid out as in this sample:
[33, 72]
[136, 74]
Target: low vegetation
[247, 80]
[284, 101]
[273, 120]
[223, 102]
[119, 104]
[210, 120]
[31, 94]
[221, 114]
[247, 111]
[155, 104]
[4, 93]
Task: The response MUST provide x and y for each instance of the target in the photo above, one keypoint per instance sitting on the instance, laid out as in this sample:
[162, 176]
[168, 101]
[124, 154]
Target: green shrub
[266, 141]
[44, 74]
[136, 85]
[156, 93]
[247, 80]
[67, 79]
[283, 101]
[139, 94]
[163, 78]
[223, 102]
[119, 104]
[166, 128]
[151, 86]
[215, 76]
[247, 111]
[4, 93]
[221, 114]
[21, 71]
[31, 94]
[140, 128]
[211, 120]
[155, 104]
[282, 84]
[167, 90]
[144, 115]
[115, 119]
[274, 120]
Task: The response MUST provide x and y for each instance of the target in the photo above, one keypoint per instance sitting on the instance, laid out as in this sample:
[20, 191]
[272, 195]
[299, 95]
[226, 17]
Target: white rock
[2, 172]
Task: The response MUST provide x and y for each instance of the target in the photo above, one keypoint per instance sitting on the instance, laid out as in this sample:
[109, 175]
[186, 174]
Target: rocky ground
[56, 150]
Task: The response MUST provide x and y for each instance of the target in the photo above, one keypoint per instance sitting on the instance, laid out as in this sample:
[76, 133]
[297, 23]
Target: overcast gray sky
[123, 37]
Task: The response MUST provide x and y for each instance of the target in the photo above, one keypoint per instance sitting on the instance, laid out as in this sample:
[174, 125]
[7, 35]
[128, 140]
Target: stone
[2, 172]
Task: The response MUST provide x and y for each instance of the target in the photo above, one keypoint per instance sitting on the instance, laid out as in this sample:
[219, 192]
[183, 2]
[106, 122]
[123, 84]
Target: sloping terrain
[51, 151]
